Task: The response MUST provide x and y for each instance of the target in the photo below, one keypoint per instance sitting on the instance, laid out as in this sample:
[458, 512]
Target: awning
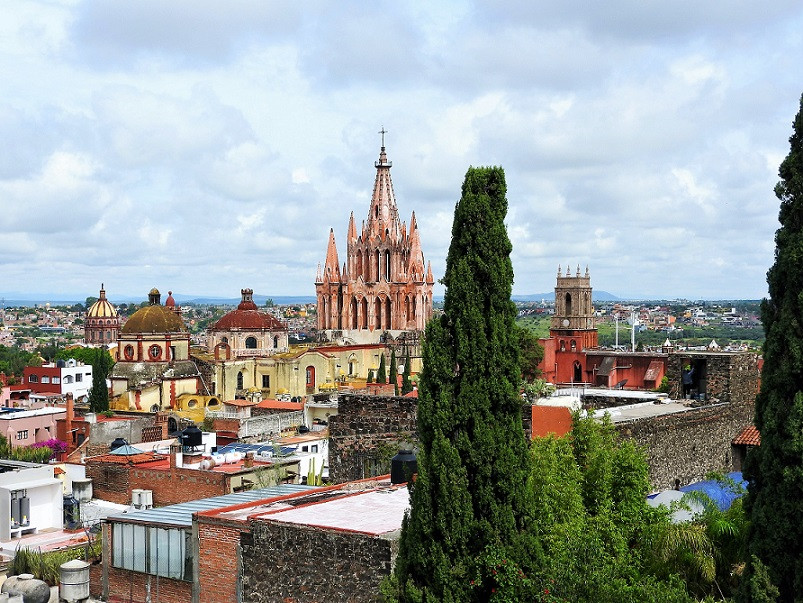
[31, 484]
[653, 370]
[607, 366]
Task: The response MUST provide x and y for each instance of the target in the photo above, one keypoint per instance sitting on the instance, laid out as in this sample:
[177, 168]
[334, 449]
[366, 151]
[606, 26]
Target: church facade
[384, 285]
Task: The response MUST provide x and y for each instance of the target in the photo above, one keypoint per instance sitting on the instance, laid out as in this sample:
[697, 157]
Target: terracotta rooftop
[241, 403]
[749, 436]
[280, 405]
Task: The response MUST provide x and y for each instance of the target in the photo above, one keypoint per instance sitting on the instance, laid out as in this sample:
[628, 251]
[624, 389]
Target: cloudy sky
[207, 146]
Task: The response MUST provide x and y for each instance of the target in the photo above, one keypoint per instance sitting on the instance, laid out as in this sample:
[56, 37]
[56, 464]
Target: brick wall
[135, 587]
[218, 562]
[365, 434]
[114, 483]
[301, 564]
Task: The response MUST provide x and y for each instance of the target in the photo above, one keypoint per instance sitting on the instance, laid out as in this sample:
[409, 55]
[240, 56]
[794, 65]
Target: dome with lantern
[101, 322]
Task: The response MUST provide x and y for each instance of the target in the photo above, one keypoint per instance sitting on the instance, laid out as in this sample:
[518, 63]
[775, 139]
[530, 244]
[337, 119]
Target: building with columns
[384, 286]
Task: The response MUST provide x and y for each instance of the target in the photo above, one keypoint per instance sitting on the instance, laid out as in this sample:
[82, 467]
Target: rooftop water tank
[403, 466]
[192, 436]
[74, 578]
[117, 443]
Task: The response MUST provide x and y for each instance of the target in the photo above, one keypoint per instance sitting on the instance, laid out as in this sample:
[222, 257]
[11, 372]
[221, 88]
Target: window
[250, 343]
[305, 449]
[45, 379]
[155, 352]
[57, 380]
[68, 379]
[240, 380]
[265, 381]
[78, 377]
[313, 448]
[157, 551]
[310, 376]
[22, 434]
[33, 379]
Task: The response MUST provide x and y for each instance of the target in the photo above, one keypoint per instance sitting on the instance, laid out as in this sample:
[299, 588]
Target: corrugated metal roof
[606, 367]
[180, 515]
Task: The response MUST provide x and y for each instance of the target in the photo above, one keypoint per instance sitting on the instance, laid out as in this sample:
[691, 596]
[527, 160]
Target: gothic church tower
[384, 284]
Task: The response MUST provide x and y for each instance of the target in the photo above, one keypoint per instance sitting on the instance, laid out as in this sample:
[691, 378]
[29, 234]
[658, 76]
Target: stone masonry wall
[682, 448]
[299, 564]
[366, 433]
[729, 376]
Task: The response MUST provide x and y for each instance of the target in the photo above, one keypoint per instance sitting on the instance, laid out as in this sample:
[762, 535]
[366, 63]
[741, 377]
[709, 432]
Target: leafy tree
[407, 384]
[532, 353]
[14, 360]
[393, 372]
[89, 301]
[775, 469]
[99, 394]
[382, 376]
[370, 378]
[469, 503]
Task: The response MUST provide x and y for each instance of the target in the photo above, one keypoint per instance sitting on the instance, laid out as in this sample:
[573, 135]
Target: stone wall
[300, 564]
[720, 376]
[366, 433]
[683, 447]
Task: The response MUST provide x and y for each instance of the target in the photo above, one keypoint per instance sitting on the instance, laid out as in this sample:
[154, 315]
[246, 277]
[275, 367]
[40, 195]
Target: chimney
[176, 460]
[68, 419]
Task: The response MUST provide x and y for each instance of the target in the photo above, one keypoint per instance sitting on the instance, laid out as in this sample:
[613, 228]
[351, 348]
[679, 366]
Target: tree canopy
[469, 501]
[775, 469]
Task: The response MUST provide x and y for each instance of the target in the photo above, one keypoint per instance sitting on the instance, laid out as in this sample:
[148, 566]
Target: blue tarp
[723, 494]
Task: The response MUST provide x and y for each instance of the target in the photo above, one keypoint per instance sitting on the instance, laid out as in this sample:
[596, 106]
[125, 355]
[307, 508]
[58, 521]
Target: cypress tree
[407, 384]
[469, 500]
[99, 394]
[393, 372]
[370, 378]
[775, 469]
[382, 376]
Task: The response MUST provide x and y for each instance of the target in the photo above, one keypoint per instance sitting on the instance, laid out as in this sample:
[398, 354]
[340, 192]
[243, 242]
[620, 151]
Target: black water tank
[192, 436]
[118, 442]
[60, 364]
[403, 466]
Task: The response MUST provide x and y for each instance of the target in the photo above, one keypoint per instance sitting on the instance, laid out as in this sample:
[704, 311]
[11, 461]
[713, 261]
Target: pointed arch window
[240, 380]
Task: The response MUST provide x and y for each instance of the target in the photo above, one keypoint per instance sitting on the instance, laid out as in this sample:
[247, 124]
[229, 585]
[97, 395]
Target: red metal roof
[749, 436]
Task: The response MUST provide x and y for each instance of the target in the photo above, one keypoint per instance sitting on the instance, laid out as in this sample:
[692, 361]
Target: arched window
[378, 313]
[387, 314]
[387, 265]
[250, 343]
[578, 372]
[378, 265]
[364, 312]
[224, 340]
[573, 345]
[310, 376]
[276, 341]
[240, 380]
[359, 264]
[353, 312]
[568, 304]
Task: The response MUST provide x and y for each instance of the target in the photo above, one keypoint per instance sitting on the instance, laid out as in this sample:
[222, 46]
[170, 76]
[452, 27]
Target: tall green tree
[532, 353]
[99, 394]
[382, 375]
[394, 372]
[775, 469]
[407, 383]
[469, 503]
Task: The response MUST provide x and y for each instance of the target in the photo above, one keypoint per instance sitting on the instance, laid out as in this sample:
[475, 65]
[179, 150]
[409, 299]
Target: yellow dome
[154, 318]
[101, 308]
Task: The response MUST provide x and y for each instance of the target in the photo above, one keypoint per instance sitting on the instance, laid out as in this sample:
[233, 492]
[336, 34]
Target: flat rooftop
[373, 512]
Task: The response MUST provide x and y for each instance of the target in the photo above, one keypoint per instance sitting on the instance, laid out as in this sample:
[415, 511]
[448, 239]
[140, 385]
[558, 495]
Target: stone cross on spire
[383, 131]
